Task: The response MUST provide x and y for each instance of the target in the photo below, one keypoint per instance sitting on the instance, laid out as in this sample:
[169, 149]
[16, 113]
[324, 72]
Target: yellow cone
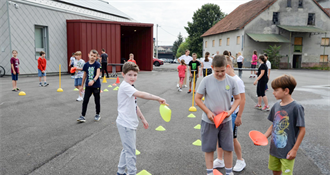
[75, 89]
[191, 116]
[192, 109]
[59, 90]
[22, 93]
[160, 128]
[137, 152]
[197, 143]
[104, 80]
[143, 172]
[109, 86]
[198, 126]
[105, 90]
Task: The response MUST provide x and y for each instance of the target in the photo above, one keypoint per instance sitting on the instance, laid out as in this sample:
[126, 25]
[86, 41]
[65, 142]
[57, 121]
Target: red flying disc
[219, 118]
[216, 172]
[258, 138]
[73, 70]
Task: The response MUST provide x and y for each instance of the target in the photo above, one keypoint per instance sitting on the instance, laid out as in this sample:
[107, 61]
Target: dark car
[158, 62]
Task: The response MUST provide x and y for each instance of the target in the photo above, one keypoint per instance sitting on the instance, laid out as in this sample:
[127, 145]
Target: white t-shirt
[186, 59]
[207, 65]
[241, 89]
[127, 116]
[240, 58]
[79, 64]
[72, 60]
[269, 65]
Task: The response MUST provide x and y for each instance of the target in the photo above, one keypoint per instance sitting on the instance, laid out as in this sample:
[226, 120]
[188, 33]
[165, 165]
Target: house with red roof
[300, 27]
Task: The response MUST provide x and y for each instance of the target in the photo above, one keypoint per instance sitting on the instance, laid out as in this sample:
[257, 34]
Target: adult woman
[254, 63]
[261, 82]
[206, 65]
[240, 61]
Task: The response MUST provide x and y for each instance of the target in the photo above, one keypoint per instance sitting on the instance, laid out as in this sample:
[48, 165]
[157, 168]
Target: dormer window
[311, 19]
[275, 18]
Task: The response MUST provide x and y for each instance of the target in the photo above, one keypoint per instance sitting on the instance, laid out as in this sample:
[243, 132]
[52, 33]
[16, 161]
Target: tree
[273, 53]
[203, 20]
[176, 44]
[182, 48]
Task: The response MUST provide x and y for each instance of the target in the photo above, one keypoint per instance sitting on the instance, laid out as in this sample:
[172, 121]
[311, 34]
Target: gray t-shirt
[286, 122]
[217, 95]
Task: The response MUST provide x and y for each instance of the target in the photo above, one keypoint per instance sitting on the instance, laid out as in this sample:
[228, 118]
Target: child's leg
[259, 100]
[209, 160]
[219, 153]
[277, 172]
[238, 149]
[226, 142]
[265, 100]
[40, 80]
[13, 83]
[45, 79]
[97, 100]
[228, 157]
[88, 93]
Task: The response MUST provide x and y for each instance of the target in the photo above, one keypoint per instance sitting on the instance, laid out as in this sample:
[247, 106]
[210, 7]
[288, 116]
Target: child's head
[283, 85]
[225, 52]
[78, 55]
[255, 52]
[187, 52]
[130, 71]
[42, 54]
[219, 66]
[14, 52]
[207, 54]
[266, 56]
[103, 50]
[183, 62]
[239, 53]
[194, 55]
[131, 56]
[92, 55]
[262, 59]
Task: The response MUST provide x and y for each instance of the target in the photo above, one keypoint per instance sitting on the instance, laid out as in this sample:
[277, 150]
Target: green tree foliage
[176, 44]
[273, 53]
[203, 19]
[182, 48]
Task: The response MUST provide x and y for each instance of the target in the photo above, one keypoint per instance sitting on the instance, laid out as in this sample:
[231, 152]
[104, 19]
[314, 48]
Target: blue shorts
[77, 81]
[14, 77]
[40, 74]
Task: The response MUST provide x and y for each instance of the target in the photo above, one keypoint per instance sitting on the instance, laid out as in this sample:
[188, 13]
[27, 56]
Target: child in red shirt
[42, 68]
[131, 58]
[14, 62]
[182, 73]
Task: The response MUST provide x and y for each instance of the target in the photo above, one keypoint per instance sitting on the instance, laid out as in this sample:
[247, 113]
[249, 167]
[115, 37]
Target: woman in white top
[206, 65]
[240, 61]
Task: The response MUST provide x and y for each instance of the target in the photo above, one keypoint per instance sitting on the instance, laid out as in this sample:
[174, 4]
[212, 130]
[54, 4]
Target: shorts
[181, 80]
[14, 77]
[209, 71]
[191, 78]
[253, 66]
[40, 74]
[77, 81]
[261, 86]
[211, 135]
[284, 165]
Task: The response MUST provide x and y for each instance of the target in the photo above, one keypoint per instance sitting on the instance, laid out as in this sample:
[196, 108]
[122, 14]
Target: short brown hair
[219, 61]
[103, 50]
[94, 51]
[225, 52]
[130, 66]
[42, 52]
[284, 81]
[14, 51]
[77, 53]
[262, 58]
[194, 54]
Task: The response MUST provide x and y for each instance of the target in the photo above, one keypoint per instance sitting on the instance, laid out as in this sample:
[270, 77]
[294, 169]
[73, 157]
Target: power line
[168, 32]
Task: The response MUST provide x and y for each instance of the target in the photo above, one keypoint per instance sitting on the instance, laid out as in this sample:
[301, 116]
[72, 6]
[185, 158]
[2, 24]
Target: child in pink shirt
[254, 64]
[182, 73]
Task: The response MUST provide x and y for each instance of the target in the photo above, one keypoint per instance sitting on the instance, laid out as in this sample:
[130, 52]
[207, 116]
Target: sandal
[17, 89]
[14, 90]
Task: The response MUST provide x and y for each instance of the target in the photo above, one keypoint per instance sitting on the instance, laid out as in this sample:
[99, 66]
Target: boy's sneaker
[218, 163]
[180, 90]
[258, 107]
[189, 91]
[81, 119]
[97, 117]
[46, 84]
[266, 108]
[240, 165]
[79, 99]
[41, 85]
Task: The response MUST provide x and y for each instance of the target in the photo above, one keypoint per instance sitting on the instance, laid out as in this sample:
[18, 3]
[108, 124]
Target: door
[296, 64]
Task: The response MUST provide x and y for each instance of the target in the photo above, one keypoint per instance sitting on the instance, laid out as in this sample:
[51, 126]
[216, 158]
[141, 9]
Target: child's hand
[291, 155]
[211, 116]
[228, 113]
[90, 83]
[81, 89]
[14, 73]
[145, 124]
[238, 121]
[162, 101]
[255, 82]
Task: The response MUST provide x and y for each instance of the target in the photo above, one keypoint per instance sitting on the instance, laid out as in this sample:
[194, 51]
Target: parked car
[157, 62]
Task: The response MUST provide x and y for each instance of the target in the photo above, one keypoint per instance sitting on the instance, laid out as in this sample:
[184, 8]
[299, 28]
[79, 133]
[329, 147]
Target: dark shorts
[14, 77]
[261, 88]
[253, 66]
[209, 71]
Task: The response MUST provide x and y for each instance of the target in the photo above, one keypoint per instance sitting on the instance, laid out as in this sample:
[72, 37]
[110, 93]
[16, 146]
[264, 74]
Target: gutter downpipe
[289, 52]
[325, 36]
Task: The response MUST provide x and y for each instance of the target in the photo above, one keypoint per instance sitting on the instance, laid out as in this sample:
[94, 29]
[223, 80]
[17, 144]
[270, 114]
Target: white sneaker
[80, 99]
[177, 85]
[231, 173]
[180, 90]
[218, 163]
[240, 165]
[185, 86]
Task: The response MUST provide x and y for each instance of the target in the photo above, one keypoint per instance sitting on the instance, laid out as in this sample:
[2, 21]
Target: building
[60, 27]
[301, 27]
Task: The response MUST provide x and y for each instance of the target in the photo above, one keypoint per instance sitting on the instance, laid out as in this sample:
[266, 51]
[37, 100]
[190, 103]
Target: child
[206, 65]
[182, 73]
[127, 120]
[131, 58]
[104, 62]
[93, 85]
[236, 121]
[14, 61]
[187, 60]
[218, 90]
[79, 64]
[42, 62]
[194, 65]
[72, 63]
[288, 128]
[262, 80]
[269, 66]
[254, 63]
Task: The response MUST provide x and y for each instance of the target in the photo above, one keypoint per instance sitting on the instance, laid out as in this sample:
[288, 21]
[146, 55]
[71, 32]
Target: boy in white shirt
[187, 60]
[127, 120]
[79, 64]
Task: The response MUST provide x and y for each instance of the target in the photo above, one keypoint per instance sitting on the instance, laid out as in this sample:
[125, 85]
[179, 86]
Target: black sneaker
[81, 119]
[41, 85]
[97, 117]
[46, 84]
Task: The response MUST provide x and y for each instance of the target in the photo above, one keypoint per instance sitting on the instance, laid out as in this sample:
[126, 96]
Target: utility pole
[157, 41]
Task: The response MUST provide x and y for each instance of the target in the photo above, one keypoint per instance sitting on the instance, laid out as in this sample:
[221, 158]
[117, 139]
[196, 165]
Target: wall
[5, 49]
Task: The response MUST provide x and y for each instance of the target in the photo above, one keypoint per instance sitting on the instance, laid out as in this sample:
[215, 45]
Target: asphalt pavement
[40, 135]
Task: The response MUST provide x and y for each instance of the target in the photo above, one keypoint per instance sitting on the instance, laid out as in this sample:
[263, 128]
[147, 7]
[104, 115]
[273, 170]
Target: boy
[104, 63]
[42, 62]
[288, 128]
[79, 64]
[127, 120]
[93, 85]
[218, 90]
[236, 121]
[72, 59]
[194, 65]
[14, 61]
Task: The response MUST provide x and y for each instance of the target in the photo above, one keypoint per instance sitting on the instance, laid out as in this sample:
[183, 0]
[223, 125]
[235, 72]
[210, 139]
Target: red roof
[244, 14]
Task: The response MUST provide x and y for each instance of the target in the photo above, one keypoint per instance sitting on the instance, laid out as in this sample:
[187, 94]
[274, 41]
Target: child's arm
[148, 96]
[12, 68]
[83, 81]
[140, 115]
[238, 120]
[262, 72]
[293, 152]
[269, 131]
[235, 104]
[199, 102]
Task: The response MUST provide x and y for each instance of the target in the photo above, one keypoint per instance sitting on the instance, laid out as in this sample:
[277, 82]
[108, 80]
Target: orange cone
[117, 81]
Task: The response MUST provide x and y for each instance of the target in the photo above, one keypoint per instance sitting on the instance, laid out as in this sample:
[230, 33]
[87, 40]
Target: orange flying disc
[73, 70]
[258, 138]
[219, 118]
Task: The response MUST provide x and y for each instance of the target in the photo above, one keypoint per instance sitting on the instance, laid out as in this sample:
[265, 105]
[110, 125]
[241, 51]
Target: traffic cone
[197, 143]
[109, 86]
[160, 128]
[104, 80]
[22, 93]
[197, 126]
[117, 81]
[105, 90]
[143, 172]
[216, 172]
[137, 152]
[75, 89]
[191, 116]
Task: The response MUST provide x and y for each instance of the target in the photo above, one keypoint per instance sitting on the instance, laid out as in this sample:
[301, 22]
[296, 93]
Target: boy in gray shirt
[288, 128]
[218, 90]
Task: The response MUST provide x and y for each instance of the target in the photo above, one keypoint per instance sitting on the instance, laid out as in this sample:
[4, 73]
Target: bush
[274, 56]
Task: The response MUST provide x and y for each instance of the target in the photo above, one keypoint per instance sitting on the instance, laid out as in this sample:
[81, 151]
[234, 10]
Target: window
[275, 18]
[300, 4]
[213, 43]
[238, 40]
[220, 42]
[228, 41]
[325, 42]
[288, 3]
[205, 44]
[311, 19]
[323, 58]
[41, 41]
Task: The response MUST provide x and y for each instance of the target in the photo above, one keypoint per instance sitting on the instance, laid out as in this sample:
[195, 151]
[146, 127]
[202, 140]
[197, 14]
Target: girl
[206, 65]
[240, 61]
[131, 58]
[254, 63]
[262, 81]
[182, 73]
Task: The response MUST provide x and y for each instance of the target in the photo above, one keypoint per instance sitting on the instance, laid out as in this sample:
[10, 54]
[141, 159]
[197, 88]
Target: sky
[171, 15]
